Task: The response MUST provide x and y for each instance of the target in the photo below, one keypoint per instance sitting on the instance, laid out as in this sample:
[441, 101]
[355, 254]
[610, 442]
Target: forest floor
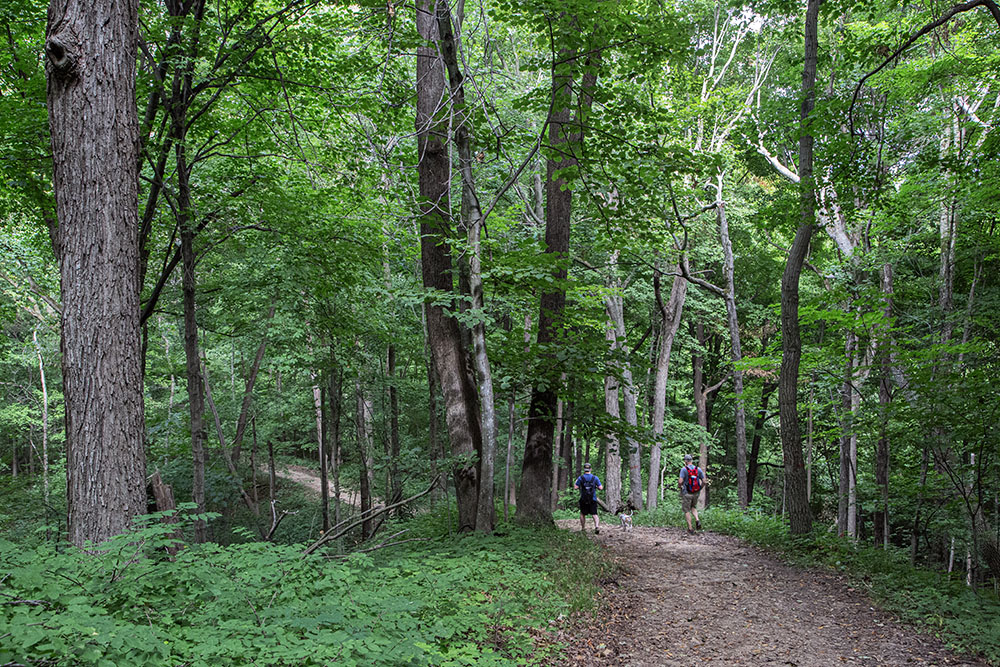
[710, 599]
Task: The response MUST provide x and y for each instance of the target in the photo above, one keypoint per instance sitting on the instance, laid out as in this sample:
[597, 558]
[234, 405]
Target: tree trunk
[791, 343]
[729, 269]
[758, 434]
[335, 382]
[670, 322]
[434, 177]
[45, 418]
[434, 445]
[558, 453]
[701, 393]
[615, 305]
[536, 469]
[324, 439]
[567, 448]
[885, 399]
[91, 50]
[196, 398]
[361, 422]
[241, 422]
[612, 455]
[473, 218]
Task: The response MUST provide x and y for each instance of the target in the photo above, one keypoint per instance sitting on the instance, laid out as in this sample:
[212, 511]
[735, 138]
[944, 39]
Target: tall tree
[91, 51]
[791, 341]
[573, 73]
[444, 335]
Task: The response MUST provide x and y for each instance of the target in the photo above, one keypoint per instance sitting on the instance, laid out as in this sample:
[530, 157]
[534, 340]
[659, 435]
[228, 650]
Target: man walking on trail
[692, 481]
[588, 485]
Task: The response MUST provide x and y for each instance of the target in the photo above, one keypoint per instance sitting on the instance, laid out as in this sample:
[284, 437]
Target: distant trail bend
[711, 599]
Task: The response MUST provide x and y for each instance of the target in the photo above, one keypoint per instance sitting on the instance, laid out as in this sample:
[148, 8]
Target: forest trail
[710, 599]
[310, 480]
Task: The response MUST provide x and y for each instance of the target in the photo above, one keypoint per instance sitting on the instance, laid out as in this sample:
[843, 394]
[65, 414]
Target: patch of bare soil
[710, 599]
[310, 479]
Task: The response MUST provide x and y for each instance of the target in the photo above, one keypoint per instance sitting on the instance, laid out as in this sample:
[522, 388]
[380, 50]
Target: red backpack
[693, 480]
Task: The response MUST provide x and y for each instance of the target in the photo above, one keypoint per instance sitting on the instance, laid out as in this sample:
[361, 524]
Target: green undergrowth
[938, 603]
[447, 600]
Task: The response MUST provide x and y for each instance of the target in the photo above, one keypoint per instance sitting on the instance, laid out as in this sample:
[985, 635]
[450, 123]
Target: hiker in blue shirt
[588, 485]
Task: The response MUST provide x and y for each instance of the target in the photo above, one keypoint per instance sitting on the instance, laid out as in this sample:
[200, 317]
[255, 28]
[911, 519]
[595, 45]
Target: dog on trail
[625, 515]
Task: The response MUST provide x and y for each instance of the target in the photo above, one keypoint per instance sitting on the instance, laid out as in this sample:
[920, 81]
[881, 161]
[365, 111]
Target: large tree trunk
[473, 218]
[670, 322]
[91, 50]
[536, 470]
[791, 343]
[434, 177]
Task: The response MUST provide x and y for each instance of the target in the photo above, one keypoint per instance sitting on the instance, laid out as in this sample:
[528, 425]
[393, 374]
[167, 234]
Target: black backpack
[588, 484]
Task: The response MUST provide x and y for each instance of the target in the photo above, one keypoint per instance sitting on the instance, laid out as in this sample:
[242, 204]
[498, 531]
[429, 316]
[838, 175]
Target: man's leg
[597, 523]
[697, 521]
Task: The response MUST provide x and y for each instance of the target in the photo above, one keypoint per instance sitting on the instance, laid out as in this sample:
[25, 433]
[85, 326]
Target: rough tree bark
[91, 52]
[791, 437]
[565, 138]
[434, 178]
[473, 218]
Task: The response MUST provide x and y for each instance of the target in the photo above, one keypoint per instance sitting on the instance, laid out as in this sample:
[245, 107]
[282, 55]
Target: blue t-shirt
[585, 480]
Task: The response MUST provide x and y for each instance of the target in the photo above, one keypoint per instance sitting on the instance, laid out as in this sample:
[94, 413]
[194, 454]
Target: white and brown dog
[625, 516]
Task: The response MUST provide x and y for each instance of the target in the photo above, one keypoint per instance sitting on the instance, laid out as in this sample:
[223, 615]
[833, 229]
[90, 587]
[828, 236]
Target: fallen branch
[365, 516]
[276, 519]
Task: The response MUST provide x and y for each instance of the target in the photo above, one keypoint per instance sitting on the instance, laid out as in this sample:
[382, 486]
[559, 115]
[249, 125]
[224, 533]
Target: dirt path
[310, 480]
[711, 599]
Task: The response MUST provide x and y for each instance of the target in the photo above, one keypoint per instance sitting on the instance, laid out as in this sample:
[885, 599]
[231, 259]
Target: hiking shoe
[690, 532]
[597, 531]
[697, 524]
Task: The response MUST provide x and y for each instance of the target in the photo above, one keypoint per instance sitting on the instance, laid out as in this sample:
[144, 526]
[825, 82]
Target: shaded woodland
[446, 254]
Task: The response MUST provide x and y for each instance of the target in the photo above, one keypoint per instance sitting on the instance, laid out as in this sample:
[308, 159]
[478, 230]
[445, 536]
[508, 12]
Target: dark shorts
[588, 506]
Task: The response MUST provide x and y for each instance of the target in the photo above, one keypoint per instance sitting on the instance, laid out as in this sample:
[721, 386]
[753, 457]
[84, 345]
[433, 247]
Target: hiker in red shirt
[692, 481]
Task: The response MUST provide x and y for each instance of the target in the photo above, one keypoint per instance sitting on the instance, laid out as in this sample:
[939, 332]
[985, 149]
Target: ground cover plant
[449, 600]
